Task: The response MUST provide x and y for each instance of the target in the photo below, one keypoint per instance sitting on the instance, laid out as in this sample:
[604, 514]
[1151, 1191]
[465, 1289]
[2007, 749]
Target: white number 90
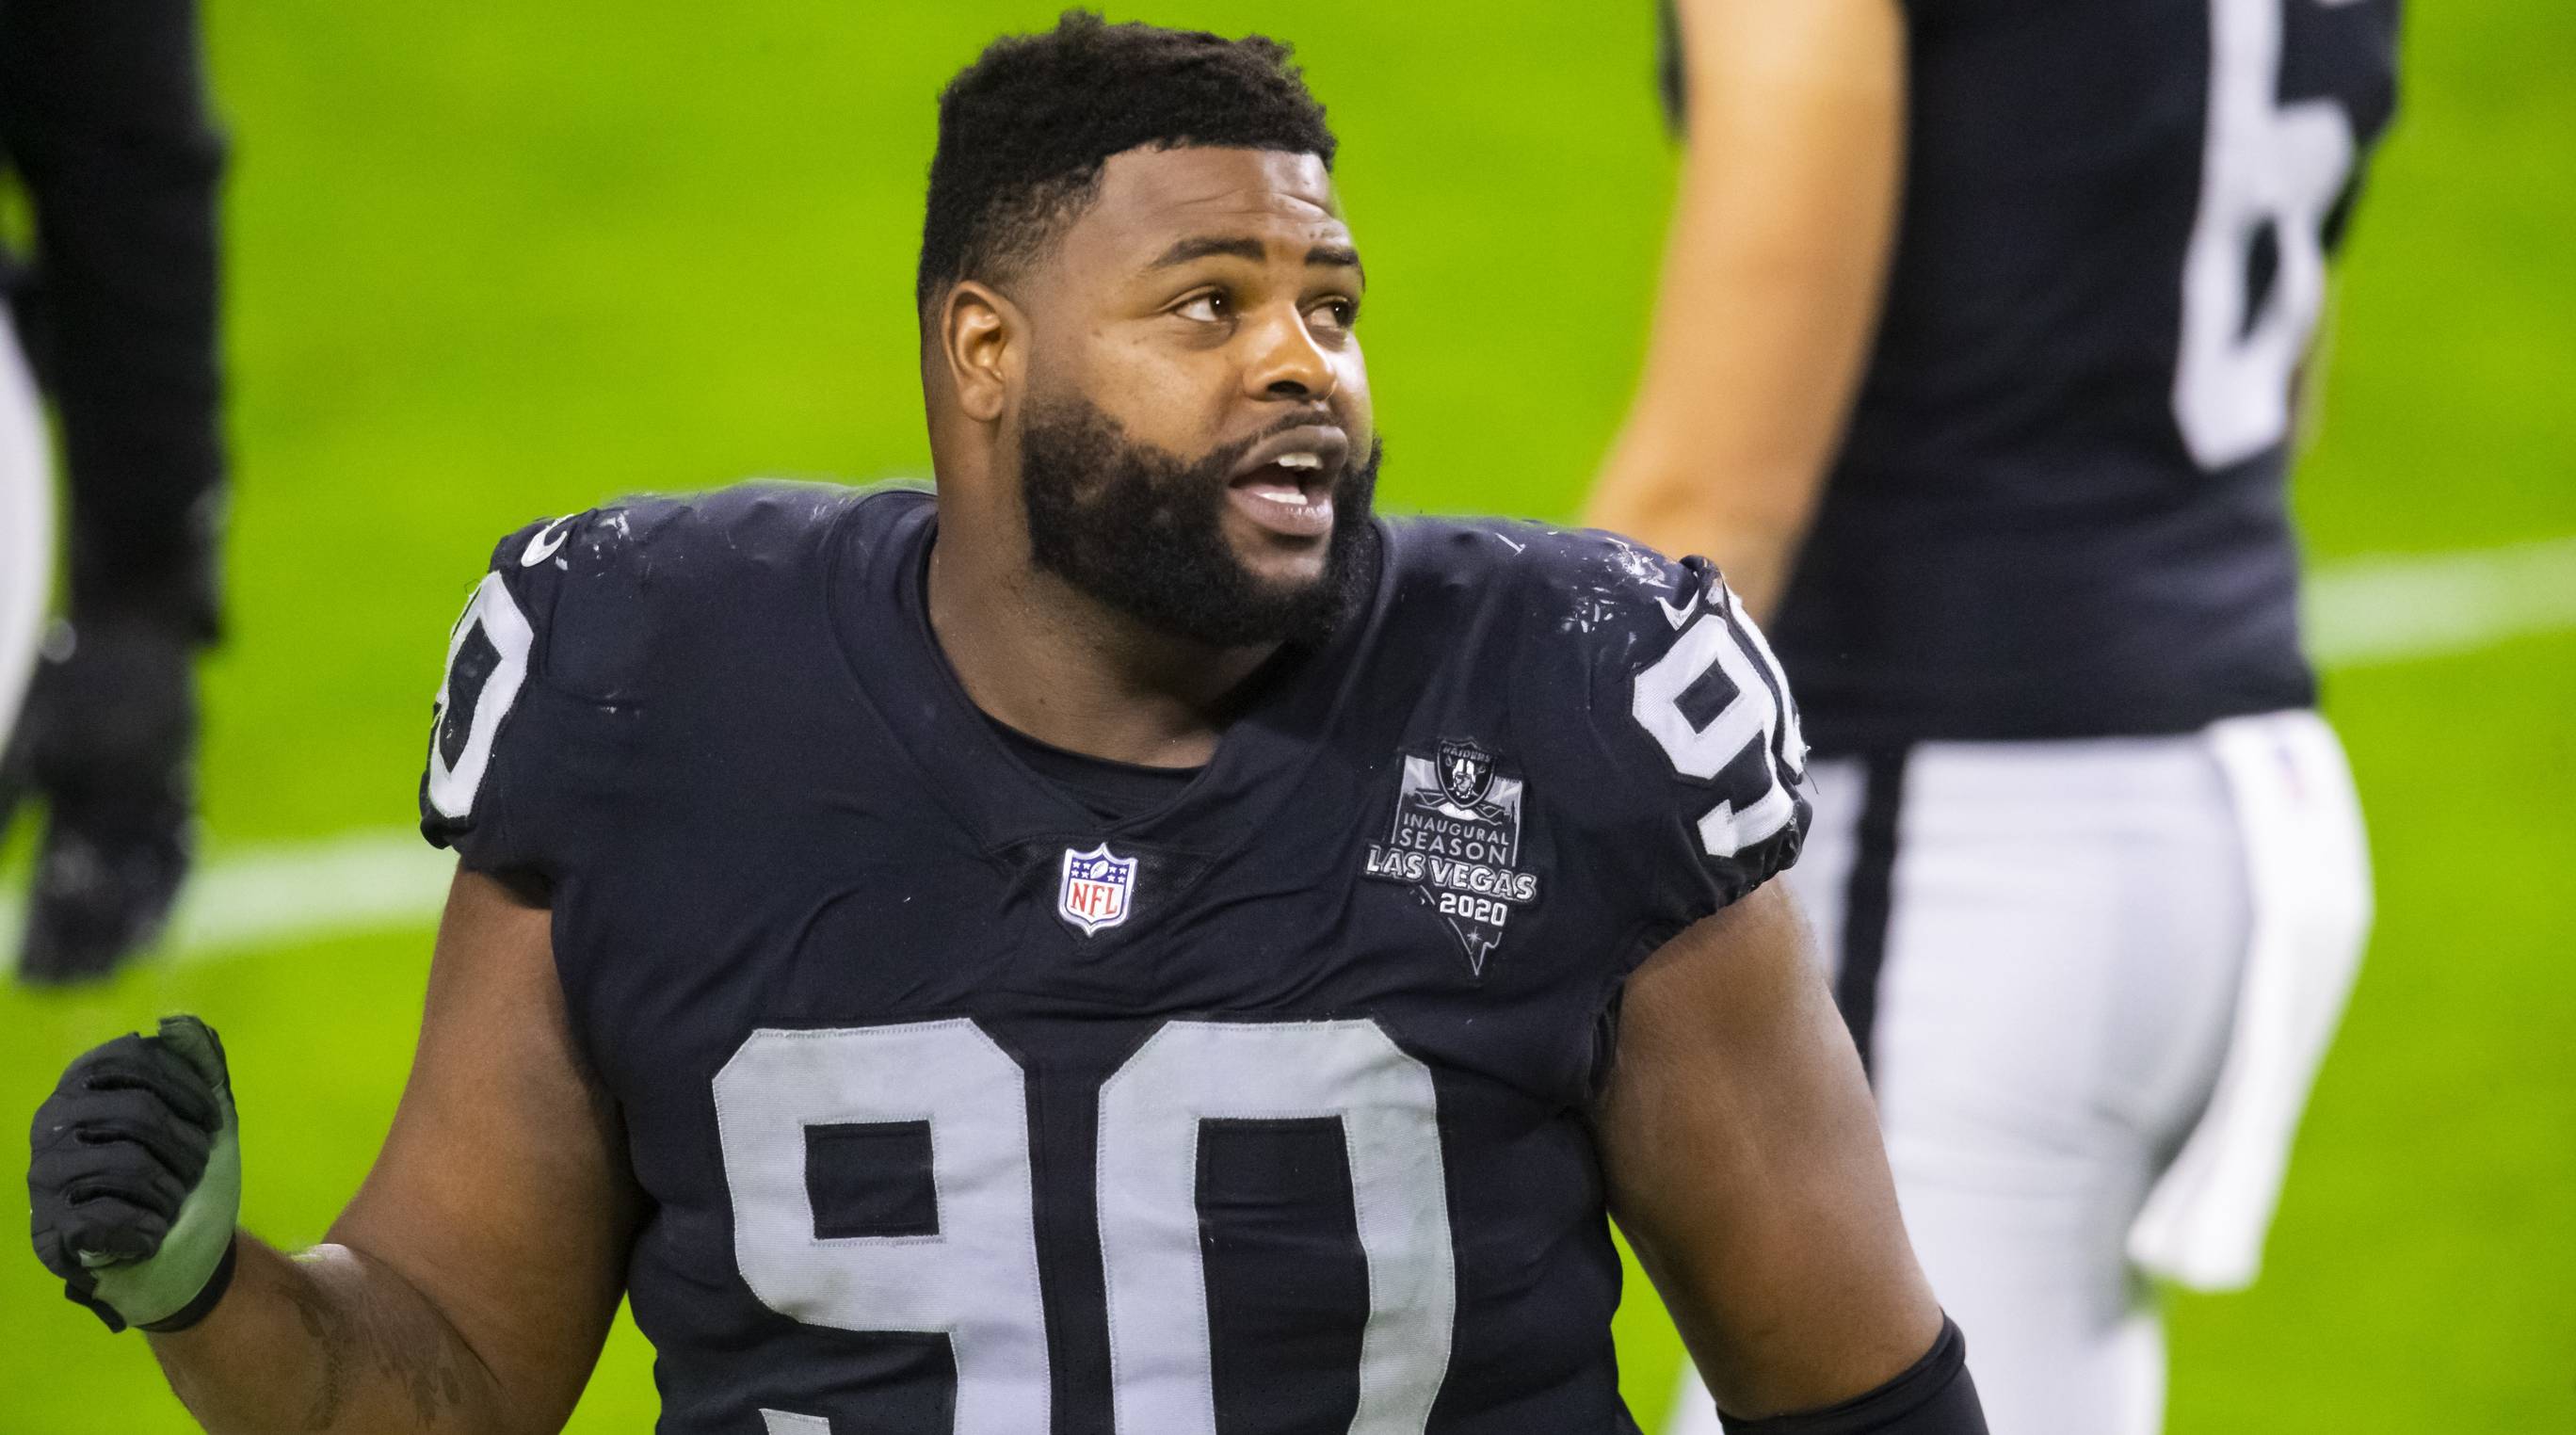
[1723, 640]
[975, 1278]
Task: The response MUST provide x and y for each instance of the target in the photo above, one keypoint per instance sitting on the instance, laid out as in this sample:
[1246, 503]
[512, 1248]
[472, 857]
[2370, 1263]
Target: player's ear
[981, 336]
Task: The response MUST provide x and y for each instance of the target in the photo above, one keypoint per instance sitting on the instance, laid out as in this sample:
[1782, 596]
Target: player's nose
[1284, 361]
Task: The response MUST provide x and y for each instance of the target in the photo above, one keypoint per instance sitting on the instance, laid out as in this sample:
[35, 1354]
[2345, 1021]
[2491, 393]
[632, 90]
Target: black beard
[1142, 531]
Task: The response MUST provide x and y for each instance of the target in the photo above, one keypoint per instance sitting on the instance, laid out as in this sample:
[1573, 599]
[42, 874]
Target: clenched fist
[135, 1177]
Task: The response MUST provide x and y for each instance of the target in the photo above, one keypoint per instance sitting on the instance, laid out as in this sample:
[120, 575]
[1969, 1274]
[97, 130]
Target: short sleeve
[581, 633]
[1664, 722]
[546, 640]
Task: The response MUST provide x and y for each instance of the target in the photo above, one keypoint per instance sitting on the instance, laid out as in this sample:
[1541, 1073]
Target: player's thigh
[26, 527]
[2065, 934]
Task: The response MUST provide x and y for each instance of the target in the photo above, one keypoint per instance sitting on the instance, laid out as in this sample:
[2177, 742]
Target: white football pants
[26, 526]
[2092, 981]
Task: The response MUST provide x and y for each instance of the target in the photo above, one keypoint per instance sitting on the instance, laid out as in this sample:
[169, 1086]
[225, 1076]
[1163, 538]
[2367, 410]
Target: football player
[104, 126]
[1129, 942]
[2088, 867]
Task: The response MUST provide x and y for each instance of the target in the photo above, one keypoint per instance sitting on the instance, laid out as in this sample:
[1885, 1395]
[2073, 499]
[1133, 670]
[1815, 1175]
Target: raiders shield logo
[1466, 772]
[1456, 842]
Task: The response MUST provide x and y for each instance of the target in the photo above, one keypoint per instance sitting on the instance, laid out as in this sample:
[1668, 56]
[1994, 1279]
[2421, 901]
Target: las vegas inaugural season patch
[1455, 840]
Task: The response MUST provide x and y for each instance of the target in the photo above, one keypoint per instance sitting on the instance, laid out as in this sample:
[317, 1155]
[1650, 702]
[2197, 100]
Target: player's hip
[1983, 818]
[2092, 903]
[2067, 961]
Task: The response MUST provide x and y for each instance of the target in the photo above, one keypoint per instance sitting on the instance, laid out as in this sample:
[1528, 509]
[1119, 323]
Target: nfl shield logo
[1098, 889]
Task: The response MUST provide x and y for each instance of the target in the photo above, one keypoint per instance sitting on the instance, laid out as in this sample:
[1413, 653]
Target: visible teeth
[1301, 460]
[1279, 492]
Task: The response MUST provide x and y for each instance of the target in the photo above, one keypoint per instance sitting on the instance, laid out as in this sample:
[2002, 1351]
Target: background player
[2090, 871]
[103, 125]
[1136, 943]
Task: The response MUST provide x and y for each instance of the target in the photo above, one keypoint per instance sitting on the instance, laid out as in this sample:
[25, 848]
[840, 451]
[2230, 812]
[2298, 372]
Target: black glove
[135, 1178]
[108, 740]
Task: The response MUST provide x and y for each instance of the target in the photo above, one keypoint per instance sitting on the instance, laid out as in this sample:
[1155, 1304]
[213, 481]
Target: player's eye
[1208, 308]
[1335, 315]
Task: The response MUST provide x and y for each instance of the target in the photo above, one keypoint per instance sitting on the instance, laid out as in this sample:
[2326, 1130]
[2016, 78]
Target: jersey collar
[881, 607]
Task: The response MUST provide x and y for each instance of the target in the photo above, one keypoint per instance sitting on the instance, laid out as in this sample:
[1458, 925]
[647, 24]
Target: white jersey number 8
[2264, 166]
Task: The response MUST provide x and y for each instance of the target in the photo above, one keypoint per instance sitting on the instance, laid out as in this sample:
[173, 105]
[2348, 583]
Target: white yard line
[2387, 610]
[2360, 613]
[252, 898]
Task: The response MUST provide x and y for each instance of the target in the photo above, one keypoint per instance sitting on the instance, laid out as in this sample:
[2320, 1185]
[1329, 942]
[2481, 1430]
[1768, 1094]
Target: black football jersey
[961, 1107]
[2060, 509]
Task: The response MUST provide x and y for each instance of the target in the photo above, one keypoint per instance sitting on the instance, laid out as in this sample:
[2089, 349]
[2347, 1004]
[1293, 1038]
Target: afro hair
[1024, 130]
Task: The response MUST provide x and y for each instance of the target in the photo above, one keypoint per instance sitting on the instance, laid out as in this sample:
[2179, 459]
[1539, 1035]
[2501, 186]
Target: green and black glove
[135, 1179]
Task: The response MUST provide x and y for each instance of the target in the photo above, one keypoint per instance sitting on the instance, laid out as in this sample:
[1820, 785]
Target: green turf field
[493, 261]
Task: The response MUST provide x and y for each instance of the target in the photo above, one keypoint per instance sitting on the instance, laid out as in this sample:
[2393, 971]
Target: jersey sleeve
[540, 667]
[1666, 726]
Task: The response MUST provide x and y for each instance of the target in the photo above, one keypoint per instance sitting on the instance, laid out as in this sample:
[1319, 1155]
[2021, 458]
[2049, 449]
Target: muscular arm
[1744, 1165]
[470, 1283]
[1779, 249]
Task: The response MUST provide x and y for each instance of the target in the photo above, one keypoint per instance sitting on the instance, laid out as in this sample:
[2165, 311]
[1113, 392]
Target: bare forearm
[1780, 241]
[328, 1341]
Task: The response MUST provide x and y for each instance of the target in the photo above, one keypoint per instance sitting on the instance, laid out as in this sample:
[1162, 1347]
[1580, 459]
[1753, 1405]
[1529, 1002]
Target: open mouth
[1285, 485]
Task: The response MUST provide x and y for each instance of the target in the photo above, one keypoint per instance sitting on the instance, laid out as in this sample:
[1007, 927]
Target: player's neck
[1042, 656]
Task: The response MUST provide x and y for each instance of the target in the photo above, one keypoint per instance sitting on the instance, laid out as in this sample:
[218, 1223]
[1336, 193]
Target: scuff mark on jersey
[1637, 564]
[1592, 608]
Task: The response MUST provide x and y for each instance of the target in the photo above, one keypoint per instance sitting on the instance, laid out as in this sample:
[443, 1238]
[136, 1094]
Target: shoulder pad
[1665, 714]
[578, 607]
[596, 585]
